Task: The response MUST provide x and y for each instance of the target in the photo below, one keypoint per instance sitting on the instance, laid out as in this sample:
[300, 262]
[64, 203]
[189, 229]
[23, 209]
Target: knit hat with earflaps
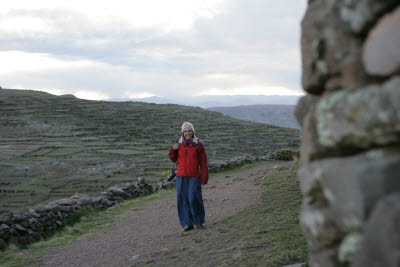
[187, 126]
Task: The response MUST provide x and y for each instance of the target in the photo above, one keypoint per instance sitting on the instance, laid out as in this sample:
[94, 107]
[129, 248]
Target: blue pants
[189, 201]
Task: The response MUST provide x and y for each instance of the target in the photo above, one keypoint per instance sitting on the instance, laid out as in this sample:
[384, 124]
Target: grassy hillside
[264, 234]
[54, 146]
[279, 115]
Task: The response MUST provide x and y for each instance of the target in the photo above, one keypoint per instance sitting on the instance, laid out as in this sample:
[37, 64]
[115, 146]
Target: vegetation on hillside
[265, 234]
[53, 146]
[285, 154]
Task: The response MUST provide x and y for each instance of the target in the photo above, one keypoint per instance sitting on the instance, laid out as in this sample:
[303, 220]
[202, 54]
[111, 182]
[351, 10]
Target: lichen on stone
[356, 16]
[360, 119]
[349, 246]
[375, 154]
[323, 112]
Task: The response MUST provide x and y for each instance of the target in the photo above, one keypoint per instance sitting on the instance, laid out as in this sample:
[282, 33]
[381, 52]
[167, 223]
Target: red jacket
[192, 160]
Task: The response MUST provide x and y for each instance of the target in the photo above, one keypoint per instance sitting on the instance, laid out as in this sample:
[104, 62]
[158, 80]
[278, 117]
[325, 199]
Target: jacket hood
[195, 140]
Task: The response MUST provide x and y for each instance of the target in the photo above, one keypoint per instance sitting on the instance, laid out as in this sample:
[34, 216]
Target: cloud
[33, 62]
[168, 15]
[252, 44]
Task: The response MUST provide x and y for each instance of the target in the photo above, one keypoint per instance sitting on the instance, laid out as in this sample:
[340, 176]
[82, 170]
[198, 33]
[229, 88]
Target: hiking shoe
[188, 228]
[200, 226]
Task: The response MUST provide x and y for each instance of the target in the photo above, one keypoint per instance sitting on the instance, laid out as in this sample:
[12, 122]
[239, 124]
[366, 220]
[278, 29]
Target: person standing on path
[192, 173]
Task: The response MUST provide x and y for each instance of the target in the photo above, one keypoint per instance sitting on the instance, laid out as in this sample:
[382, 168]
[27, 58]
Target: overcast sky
[115, 49]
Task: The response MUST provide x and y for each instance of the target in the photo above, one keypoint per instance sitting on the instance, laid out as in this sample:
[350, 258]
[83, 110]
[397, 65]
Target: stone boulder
[166, 184]
[119, 192]
[305, 105]
[381, 50]
[40, 209]
[65, 202]
[33, 213]
[324, 258]
[339, 193]
[360, 14]
[7, 217]
[345, 122]
[4, 228]
[82, 199]
[381, 242]
[331, 55]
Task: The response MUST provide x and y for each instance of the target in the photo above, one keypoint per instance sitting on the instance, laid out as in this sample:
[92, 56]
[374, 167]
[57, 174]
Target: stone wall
[350, 151]
[43, 220]
[224, 165]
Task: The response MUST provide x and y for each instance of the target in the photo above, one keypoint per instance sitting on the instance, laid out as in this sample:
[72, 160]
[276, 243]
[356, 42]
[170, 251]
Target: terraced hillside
[53, 146]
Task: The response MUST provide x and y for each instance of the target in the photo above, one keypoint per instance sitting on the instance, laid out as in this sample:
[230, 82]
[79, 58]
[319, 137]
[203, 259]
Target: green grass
[82, 134]
[241, 168]
[265, 234]
[89, 224]
[123, 151]
[27, 188]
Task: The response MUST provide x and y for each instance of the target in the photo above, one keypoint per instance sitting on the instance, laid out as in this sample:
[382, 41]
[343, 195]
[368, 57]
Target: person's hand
[176, 146]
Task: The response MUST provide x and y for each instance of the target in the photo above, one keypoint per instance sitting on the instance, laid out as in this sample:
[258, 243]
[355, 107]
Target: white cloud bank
[103, 49]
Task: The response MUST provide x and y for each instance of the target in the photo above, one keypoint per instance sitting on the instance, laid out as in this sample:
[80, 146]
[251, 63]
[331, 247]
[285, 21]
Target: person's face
[188, 134]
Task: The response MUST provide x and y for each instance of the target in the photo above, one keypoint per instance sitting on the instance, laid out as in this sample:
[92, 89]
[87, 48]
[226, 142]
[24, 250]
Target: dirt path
[156, 227]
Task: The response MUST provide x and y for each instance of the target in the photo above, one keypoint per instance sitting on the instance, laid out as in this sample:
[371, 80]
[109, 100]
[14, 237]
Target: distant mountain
[218, 101]
[279, 115]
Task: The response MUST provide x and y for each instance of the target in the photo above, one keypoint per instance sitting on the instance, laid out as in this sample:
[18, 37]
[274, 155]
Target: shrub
[284, 154]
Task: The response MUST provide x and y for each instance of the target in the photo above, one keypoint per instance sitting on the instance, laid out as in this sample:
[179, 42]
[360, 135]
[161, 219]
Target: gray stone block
[52, 206]
[381, 243]
[33, 221]
[33, 213]
[4, 228]
[320, 228]
[65, 202]
[97, 199]
[363, 119]
[126, 186]
[348, 247]
[18, 218]
[310, 148]
[360, 14]
[381, 54]
[20, 228]
[345, 190]
[24, 223]
[303, 106]
[119, 192]
[105, 201]
[331, 54]
[83, 201]
[65, 208]
[324, 258]
[40, 208]
[6, 217]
